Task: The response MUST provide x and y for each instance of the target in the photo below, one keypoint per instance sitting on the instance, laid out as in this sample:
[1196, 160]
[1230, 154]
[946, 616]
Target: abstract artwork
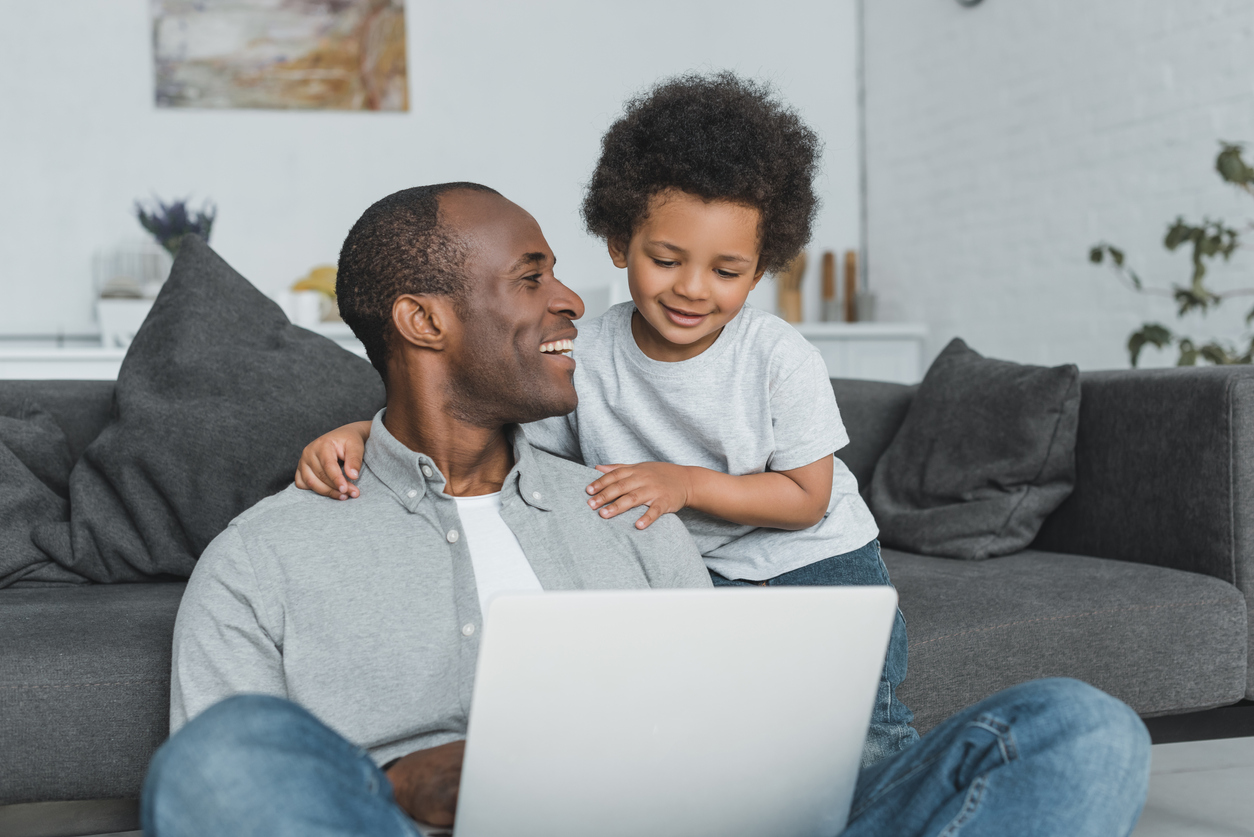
[288, 54]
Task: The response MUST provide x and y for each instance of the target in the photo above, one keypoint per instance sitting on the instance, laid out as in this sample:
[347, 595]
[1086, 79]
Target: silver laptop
[672, 712]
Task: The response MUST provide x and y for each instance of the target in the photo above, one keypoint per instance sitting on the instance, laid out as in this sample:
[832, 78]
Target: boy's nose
[691, 285]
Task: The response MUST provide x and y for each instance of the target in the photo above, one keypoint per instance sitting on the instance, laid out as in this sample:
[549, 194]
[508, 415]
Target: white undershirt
[495, 554]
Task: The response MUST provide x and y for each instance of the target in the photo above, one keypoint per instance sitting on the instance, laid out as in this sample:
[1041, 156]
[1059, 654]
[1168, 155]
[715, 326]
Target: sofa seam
[1066, 616]
[79, 685]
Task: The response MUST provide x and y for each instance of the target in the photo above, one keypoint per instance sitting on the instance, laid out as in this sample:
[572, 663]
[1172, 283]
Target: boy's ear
[757, 277]
[423, 320]
[618, 251]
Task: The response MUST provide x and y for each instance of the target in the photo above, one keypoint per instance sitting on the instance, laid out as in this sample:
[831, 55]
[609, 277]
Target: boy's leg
[890, 731]
[256, 765]
[1050, 758]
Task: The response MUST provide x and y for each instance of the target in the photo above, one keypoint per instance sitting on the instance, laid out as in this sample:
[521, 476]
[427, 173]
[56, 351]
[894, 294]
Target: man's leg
[890, 731]
[255, 765]
[1050, 758]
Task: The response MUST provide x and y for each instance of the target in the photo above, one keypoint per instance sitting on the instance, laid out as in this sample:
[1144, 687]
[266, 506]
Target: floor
[1198, 789]
[1201, 789]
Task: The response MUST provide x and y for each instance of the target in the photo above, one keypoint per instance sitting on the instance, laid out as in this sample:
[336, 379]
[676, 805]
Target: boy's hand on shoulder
[319, 467]
[661, 486]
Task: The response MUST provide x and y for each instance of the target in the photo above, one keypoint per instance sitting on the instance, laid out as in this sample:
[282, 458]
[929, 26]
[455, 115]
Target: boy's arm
[319, 467]
[793, 499]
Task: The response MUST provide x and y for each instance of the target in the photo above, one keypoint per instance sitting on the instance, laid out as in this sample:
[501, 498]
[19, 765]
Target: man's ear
[618, 251]
[423, 320]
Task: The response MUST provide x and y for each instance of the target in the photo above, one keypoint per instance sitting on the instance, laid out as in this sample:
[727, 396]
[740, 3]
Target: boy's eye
[664, 263]
[727, 274]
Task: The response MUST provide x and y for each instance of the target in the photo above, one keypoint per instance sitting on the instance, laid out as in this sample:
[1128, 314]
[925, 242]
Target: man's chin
[550, 407]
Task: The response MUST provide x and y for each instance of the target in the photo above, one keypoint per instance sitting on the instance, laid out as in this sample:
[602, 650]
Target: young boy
[690, 401]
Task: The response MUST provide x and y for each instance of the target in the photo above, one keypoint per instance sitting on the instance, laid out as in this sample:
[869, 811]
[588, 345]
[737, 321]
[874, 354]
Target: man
[319, 640]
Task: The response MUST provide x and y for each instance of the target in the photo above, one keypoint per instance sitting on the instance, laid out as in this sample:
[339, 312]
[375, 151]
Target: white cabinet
[871, 351]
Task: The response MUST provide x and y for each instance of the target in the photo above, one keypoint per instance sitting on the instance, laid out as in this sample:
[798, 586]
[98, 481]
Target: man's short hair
[716, 136]
[398, 246]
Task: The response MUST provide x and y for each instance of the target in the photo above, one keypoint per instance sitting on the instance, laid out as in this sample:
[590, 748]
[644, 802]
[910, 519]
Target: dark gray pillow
[215, 400]
[34, 476]
[986, 452]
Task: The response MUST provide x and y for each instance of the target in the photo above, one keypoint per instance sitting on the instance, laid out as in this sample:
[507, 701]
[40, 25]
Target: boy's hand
[661, 486]
[319, 467]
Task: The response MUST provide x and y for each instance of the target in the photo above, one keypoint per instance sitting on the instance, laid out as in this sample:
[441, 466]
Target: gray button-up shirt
[365, 612]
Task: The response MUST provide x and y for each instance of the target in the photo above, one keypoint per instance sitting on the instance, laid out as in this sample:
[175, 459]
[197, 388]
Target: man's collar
[410, 474]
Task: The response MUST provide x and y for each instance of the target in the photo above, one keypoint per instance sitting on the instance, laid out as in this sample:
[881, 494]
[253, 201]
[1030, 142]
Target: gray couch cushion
[215, 400]
[1162, 640]
[84, 688]
[872, 412]
[986, 452]
[1165, 474]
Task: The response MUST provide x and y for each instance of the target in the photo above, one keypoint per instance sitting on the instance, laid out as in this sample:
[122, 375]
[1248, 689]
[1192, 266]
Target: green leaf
[1231, 167]
[1096, 254]
[1217, 354]
[1152, 334]
[1188, 353]
[1178, 233]
[1249, 318]
[1136, 280]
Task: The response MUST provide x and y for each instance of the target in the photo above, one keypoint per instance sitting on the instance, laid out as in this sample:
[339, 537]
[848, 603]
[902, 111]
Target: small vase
[120, 319]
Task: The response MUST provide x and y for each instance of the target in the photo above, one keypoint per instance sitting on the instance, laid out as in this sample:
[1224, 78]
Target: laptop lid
[684, 712]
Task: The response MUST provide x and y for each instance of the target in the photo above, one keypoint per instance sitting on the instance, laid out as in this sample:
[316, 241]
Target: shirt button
[412, 493]
[535, 495]
[452, 536]
[468, 629]
[426, 471]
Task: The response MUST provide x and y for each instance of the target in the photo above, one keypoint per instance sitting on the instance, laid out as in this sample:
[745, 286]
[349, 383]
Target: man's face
[509, 364]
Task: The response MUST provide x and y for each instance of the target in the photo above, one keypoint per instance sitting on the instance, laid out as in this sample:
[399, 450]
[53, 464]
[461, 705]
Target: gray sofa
[1139, 583]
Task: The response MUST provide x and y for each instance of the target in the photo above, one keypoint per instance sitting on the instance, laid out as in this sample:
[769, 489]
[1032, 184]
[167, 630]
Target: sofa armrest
[1164, 472]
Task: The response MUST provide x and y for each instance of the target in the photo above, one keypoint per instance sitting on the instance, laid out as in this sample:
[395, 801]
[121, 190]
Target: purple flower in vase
[169, 222]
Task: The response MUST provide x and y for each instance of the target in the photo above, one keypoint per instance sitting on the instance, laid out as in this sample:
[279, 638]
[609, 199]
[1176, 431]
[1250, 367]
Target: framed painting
[283, 54]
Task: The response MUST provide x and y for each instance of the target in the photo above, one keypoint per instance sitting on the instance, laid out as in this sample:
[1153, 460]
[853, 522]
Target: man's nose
[565, 302]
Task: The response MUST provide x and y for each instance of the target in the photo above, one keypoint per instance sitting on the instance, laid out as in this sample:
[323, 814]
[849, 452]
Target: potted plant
[1206, 241]
[128, 278]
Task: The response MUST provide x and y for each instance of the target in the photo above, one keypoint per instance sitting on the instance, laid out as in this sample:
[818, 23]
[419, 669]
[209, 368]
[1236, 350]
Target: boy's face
[690, 266]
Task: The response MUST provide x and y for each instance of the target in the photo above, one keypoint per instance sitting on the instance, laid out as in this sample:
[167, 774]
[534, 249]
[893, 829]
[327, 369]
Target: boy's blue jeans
[1050, 758]
[890, 731]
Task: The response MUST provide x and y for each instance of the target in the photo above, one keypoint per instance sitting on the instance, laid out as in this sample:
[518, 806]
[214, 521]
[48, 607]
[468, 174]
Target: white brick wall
[1005, 139]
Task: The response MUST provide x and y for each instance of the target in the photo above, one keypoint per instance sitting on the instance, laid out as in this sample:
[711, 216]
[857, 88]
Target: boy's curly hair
[716, 136]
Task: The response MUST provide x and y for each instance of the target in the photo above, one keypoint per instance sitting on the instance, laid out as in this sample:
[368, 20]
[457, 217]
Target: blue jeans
[1051, 758]
[890, 731]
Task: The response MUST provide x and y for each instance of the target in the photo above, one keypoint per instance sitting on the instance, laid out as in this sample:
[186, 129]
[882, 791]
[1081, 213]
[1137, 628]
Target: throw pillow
[34, 475]
[216, 398]
[986, 452]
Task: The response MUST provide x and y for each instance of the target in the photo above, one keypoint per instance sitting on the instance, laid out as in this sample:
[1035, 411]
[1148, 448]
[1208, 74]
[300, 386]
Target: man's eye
[535, 277]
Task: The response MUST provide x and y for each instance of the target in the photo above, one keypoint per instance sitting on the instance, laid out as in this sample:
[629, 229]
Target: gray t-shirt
[758, 399]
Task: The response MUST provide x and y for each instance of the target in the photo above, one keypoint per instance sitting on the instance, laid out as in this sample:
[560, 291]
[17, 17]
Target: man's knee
[218, 745]
[1104, 730]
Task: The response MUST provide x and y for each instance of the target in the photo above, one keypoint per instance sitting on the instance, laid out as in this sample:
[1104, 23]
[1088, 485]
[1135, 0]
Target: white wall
[1005, 139]
[511, 94]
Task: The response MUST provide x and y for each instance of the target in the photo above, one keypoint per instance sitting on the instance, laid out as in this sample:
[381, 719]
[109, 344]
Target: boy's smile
[690, 266]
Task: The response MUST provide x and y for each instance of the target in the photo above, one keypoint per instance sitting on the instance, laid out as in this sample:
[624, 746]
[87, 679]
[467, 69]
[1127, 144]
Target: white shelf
[870, 351]
[43, 362]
